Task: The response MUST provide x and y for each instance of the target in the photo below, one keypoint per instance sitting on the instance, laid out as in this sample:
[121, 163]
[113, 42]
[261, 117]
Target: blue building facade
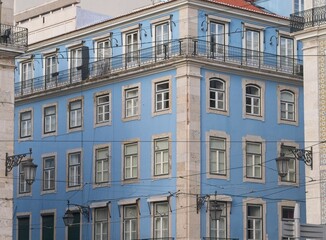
[145, 126]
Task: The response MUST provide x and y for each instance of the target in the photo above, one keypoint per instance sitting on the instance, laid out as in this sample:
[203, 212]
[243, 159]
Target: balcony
[308, 18]
[13, 37]
[190, 49]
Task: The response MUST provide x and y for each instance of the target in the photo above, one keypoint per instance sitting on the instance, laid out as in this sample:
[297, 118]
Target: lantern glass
[282, 165]
[29, 171]
[68, 218]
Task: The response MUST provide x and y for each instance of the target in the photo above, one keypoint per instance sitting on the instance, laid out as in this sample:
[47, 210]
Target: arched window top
[287, 95]
[217, 83]
[253, 90]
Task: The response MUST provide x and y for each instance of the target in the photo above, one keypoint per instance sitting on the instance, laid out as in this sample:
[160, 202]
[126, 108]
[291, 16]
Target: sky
[101, 6]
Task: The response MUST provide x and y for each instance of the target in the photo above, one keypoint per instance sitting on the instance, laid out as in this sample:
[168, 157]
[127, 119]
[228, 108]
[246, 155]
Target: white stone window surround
[261, 85]
[123, 94]
[45, 213]
[101, 38]
[48, 155]
[27, 193]
[226, 137]
[24, 215]
[81, 185]
[95, 96]
[254, 27]
[30, 109]
[226, 79]
[95, 205]
[130, 30]
[80, 128]
[254, 139]
[167, 136]
[95, 148]
[127, 142]
[289, 143]
[49, 53]
[154, 83]
[295, 91]
[54, 104]
[280, 205]
[219, 20]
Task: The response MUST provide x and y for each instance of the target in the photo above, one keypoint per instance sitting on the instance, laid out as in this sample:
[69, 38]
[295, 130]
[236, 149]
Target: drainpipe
[297, 221]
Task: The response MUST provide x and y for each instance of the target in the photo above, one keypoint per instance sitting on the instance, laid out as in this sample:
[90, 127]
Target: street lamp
[282, 162]
[29, 166]
[68, 218]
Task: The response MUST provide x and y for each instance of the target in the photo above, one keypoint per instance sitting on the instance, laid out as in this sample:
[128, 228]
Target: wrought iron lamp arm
[14, 160]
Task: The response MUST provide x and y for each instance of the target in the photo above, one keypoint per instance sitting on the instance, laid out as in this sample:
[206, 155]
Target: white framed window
[76, 62]
[130, 161]
[51, 68]
[26, 72]
[217, 94]
[254, 221]
[24, 187]
[216, 39]
[217, 156]
[103, 108]
[130, 222]
[103, 49]
[253, 100]
[298, 6]
[286, 48]
[25, 124]
[218, 227]
[291, 176]
[162, 96]
[252, 47]
[287, 105]
[101, 223]
[254, 160]
[102, 165]
[49, 173]
[75, 114]
[131, 102]
[162, 39]
[161, 223]
[132, 47]
[286, 214]
[161, 156]
[74, 169]
[50, 119]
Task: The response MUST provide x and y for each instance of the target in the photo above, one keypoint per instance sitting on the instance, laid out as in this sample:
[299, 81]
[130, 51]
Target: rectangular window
[130, 222]
[48, 227]
[50, 119]
[286, 53]
[252, 47]
[291, 175]
[103, 50]
[254, 221]
[131, 160]
[101, 226]
[162, 96]
[76, 61]
[253, 100]
[75, 114]
[218, 227]
[74, 229]
[217, 155]
[27, 73]
[103, 108]
[132, 52]
[217, 39]
[48, 173]
[51, 69]
[253, 160]
[161, 220]
[24, 187]
[298, 5]
[217, 94]
[287, 216]
[102, 165]
[23, 228]
[162, 39]
[161, 156]
[131, 102]
[74, 169]
[26, 124]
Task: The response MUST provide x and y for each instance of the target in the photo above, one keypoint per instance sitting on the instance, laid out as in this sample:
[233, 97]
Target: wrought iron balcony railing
[212, 238]
[172, 51]
[12, 36]
[308, 18]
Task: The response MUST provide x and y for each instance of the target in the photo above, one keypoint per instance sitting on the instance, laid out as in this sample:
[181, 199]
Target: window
[27, 74]
[254, 221]
[217, 155]
[298, 5]
[26, 124]
[131, 102]
[24, 187]
[74, 229]
[101, 226]
[130, 222]
[286, 53]
[287, 216]
[48, 227]
[48, 173]
[287, 105]
[75, 114]
[132, 52]
[162, 96]
[50, 119]
[74, 169]
[130, 161]
[161, 156]
[253, 100]
[23, 228]
[217, 39]
[217, 94]
[161, 220]
[51, 69]
[253, 160]
[76, 61]
[102, 165]
[252, 47]
[103, 109]
[162, 39]
[103, 49]
[291, 175]
[218, 227]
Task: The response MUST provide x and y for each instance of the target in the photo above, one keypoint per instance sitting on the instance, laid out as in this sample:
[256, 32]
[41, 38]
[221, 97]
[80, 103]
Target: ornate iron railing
[13, 36]
[212, 238]
[308, 18]
[175, 50]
